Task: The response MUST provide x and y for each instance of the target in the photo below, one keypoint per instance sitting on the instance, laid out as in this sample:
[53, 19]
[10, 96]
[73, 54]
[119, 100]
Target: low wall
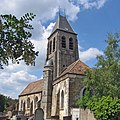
[86, 115]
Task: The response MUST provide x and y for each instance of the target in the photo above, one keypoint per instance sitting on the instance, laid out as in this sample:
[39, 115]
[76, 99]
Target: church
[63, 76]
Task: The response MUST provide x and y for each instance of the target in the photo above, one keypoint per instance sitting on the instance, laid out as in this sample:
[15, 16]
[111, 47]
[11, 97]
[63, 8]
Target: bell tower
[62, 47]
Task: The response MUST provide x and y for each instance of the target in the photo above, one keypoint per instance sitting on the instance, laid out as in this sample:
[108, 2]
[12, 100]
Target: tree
[2, 103]
[7, 103]
[104, 80]
[104, 83]
[14, 39]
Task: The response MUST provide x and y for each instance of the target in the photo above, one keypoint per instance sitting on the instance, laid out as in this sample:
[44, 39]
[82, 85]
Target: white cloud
[45, 10]
[71, 10]
[101, 3]
[89, 54]
[41, 46]
[14, 77]
[88, 4]
[12, 83]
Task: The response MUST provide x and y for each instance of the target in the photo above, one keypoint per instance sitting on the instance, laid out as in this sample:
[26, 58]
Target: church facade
[63, 75]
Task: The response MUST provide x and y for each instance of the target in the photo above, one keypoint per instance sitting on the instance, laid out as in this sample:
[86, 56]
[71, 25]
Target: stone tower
[62, 48]
[47, 90]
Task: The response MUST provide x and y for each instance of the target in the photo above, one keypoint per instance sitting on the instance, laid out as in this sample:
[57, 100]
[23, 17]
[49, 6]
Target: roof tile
[76, 67]
[33, 87]
[62, 24]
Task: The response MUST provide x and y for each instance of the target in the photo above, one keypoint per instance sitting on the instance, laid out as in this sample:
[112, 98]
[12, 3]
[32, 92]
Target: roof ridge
[70, 66]
[35, 81]
[84, 63]
[73, 64]
[62, 23]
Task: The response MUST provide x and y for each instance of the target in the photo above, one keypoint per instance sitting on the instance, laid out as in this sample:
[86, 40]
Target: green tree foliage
[104, 83]
[2, 103]
[14, 39]
[104, 80]
[106, 107]
[7, 103]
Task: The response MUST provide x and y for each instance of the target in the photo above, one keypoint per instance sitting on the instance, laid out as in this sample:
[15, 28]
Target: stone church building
[63, 75]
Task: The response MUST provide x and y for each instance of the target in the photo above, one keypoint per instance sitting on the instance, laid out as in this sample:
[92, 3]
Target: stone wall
[86, 115]
[62, 57]
[47, 91]
[23, 103]
[71, 85]
[63, 85]
[75, 112]
[75, 87]
[65, 55]
[81, 114]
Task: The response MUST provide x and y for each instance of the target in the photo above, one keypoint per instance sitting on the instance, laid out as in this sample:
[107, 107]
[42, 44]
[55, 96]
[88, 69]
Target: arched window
[62, 99]
[71, 44]
[54, 44]
[39, 104]
[35, 102]
[83, 91]
[31, 108]
[58, 102]
[63, 42]
[24, 104]
[28, 103]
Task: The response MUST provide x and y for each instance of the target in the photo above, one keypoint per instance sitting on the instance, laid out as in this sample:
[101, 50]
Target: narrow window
[24, 104]
[63, 42]
[62, 99]
[50, 47]
[39, 104]
[35, 102]
[28, 103]
[71, 44]
[21, 104]
[54, 44]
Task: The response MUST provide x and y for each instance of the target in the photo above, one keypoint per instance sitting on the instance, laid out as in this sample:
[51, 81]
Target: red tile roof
[77, 67]
[33, 87]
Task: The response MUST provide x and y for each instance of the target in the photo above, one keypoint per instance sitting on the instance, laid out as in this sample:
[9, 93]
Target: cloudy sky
[90, 19]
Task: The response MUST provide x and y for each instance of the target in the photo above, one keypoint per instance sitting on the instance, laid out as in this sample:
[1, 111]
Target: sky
[92, 20]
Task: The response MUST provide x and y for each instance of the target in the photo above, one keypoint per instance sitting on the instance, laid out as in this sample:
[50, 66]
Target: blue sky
[90, 19]
[94, 25]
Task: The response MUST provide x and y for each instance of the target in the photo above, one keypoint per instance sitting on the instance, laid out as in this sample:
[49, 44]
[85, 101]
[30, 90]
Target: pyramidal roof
[62, 24]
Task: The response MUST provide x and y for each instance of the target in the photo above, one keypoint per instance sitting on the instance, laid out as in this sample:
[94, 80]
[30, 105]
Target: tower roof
[62, 24]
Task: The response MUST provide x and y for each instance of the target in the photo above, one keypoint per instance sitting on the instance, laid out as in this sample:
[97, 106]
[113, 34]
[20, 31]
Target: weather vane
[62, 11]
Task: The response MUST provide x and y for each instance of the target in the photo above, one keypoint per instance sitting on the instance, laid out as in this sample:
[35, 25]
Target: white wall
[75, 112]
